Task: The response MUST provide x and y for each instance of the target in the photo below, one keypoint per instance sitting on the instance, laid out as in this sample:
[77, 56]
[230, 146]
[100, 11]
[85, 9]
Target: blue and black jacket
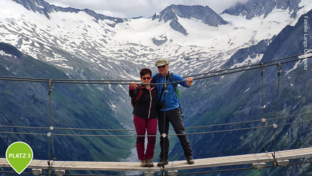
[172, 101]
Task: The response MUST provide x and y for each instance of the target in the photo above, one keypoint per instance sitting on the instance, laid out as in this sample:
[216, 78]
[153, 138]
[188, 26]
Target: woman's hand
[132, 84]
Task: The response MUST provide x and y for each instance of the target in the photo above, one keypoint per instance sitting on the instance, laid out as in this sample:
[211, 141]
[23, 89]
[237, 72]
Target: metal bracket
[279, 68]
[283, 163]
[262, 71]
[36, 171]
[258, 166]
[275, 163]
[163, 172]
[50, 86]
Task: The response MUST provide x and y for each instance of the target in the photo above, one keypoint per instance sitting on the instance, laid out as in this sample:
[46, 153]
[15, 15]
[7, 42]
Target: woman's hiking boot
[162, 162]
[143, 163]
[149, 162]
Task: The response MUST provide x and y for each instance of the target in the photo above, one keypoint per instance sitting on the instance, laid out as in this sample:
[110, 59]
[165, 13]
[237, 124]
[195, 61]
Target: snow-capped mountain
[204, 14]
[87, 45]
[45, 8]
[255, 8]
[62, 36]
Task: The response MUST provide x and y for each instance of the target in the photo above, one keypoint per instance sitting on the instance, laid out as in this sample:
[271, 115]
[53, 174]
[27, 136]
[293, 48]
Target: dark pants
[175, 118]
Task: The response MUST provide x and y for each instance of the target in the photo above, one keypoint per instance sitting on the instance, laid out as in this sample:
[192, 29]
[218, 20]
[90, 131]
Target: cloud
[135, 8]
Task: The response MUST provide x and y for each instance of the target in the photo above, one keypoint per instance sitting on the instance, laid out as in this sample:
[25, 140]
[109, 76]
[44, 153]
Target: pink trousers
[141, 126]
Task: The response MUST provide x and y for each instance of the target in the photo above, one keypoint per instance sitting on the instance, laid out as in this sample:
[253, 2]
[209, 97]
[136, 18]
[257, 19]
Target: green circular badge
[19, 155]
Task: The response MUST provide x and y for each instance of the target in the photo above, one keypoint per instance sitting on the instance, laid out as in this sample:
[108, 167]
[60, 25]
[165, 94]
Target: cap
[161, 62]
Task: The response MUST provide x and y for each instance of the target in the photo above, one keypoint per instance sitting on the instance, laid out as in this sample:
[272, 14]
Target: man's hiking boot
[149, 162]
[161, 162]
[189, 159]
[143, 163]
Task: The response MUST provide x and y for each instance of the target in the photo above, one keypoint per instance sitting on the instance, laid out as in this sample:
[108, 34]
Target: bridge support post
[173, 173]
[148, 173]
[36, 171]
[59, 172]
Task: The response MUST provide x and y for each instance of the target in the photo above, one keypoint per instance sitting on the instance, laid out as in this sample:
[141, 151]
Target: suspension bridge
[256, 160]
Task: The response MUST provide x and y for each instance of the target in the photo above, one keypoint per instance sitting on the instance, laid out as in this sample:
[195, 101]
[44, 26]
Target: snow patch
[249, 61]
[3, 53]
[299, 63]
[246, 90]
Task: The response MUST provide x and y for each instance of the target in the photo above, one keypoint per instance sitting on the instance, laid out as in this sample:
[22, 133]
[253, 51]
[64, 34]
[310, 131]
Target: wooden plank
[175, 165]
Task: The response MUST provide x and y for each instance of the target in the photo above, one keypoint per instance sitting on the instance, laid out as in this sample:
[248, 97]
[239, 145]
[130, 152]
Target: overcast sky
[135, 8]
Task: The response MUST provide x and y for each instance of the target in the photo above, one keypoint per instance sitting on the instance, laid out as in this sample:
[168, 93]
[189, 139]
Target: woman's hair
[145, 71]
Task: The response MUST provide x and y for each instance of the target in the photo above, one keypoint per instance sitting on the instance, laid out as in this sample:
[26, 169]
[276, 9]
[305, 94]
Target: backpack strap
[140, 93]
[133, 100]
[171, 80]
[175, 89]
[155, 80]
[156, 77]
[162, 91]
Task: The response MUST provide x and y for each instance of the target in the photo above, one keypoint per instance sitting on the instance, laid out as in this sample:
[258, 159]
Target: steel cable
[208, 132]
[205, 126]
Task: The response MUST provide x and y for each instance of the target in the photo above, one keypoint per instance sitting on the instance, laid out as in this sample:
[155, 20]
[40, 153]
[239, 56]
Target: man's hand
[189, 81]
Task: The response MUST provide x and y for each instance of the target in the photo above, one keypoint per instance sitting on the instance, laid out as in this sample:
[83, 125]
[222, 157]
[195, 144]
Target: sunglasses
[146, 78]
[163, 66]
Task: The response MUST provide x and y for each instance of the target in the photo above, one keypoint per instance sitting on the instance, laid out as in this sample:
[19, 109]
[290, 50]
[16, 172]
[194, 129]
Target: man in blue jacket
[172, 109]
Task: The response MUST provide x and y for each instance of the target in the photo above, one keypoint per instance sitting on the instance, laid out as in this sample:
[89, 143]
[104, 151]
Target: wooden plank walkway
[172, 166]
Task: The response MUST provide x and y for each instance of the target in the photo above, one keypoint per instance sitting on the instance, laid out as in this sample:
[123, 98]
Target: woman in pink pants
[143, 98]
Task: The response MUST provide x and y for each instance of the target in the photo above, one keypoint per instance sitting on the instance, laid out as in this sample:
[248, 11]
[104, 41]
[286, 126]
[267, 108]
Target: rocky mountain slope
[238, 97]
[73, 106]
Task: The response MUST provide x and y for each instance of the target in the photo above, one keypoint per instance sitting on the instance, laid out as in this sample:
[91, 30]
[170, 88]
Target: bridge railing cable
[196, 133]
[204, 126]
